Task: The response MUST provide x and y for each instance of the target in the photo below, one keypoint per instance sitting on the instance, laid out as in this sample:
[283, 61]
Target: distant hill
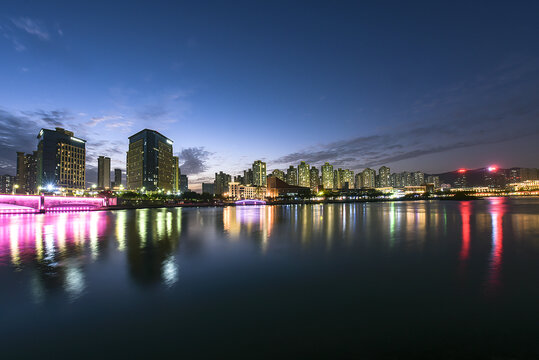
[475, 177]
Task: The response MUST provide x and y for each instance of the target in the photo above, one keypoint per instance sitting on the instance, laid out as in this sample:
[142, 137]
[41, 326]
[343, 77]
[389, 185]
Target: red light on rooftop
[461, 171]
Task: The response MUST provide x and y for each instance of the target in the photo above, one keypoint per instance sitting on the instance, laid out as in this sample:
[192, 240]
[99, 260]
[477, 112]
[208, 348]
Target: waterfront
[423, 278]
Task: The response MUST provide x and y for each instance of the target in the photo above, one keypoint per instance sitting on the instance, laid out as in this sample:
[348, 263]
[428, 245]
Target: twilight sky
[426, 86]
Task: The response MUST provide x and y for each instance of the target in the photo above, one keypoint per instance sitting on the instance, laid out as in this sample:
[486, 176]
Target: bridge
[28, 204]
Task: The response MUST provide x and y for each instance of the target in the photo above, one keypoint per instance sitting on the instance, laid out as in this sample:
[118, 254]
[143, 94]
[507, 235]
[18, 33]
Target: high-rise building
[279, 174]
[327, 176]
[175, 174]
[259, 173]
[347, 181]
[221, 183]
[26, 173]
[117, 178]
[434, 180]
[304, 177]
[184, 183]
[150, 162]
[418, 178]
[383, 176]
[61, 160]
[7, 184]
[247, 177]
[103, 172]
[208, 188]
[368, 177]
[292, 175]
[314, 180]
[337, 178]
[358, 181]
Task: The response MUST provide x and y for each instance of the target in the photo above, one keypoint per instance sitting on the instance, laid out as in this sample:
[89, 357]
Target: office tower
[383, 174]
[279, 174]
[248, 177]
[314, 179]
[150, 162]
[61, 160]
[221, 183]
[358, 181]
[327, 176]
[418, 178]
[208, 188]
[175, 174]
[368, 177]
[26, 173]
[184, 183]
[103, 172]
[117, 177]
[7, 184]
[259, 173]
[304, 176]
[292, 175]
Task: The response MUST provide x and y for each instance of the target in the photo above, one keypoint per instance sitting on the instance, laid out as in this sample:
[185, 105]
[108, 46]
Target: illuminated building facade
[103, 172]
[278, 188]
[383, 177]
[327, 176]
[237, 191]
[247, 177]
[7, 184]
[150, 162]
[358, 181]
[259, 173]
[434, 180]
[347, 180]
[221, 183]
[418, 178]
[304, 177]
[368, 177]
[314, 180]
[175, 174]
[26, 173]
[183, 183]
[117, 178]
[292, 176]
[279, 174]
[61, 160]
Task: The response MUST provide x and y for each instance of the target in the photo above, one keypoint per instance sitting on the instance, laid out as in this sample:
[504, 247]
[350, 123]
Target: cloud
[55, 118]
[498, 107]
[32, 27]
[194, 160]
[17, 133]
[99, 119]
[152, 112]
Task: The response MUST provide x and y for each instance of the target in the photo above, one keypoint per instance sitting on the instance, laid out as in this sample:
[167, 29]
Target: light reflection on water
[439, 257]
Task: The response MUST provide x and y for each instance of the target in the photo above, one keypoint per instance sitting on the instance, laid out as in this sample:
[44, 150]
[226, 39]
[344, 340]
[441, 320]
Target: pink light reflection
[22, 237]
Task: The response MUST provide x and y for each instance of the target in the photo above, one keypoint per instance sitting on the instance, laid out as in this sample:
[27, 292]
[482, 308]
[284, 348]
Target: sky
[428, 86]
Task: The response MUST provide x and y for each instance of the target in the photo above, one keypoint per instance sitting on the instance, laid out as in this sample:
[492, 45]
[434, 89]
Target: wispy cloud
[32, 27]
[194, 160]
[497, 107]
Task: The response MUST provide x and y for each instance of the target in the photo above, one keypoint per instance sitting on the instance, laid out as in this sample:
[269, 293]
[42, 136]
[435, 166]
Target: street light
[15, 187]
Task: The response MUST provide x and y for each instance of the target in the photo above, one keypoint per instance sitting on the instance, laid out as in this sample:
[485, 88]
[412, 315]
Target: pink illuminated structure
[25, 204]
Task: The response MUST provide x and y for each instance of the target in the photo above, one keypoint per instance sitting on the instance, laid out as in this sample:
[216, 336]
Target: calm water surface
[440, 279]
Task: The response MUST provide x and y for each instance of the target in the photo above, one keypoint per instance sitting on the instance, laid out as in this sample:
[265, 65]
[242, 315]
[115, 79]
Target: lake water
[438, 279]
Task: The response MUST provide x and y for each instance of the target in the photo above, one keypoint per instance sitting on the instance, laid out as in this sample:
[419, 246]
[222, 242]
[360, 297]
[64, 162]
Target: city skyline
[457, 97]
